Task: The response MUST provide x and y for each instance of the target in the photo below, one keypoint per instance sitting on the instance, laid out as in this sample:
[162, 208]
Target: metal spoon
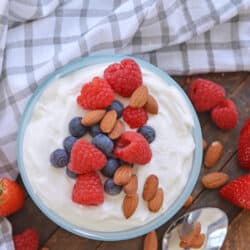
[214, 224]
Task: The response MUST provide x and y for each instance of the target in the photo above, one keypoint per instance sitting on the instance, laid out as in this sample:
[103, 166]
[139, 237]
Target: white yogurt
[172, 152]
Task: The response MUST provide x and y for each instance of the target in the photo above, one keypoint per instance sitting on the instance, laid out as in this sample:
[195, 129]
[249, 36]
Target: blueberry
[95, 130]
[59, 158]
[111, 188]
[148, 132]
[70, 173]
[76, 128]
[103, 142]
[69, 142]
[117, 106]
[110, 167]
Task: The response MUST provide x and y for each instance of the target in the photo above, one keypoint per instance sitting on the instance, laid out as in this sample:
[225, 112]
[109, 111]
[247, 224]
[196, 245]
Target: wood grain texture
[239, 231]
[237, 87]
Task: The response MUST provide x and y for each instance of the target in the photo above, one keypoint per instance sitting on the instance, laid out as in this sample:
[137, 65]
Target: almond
[155, 204]
[150, 187]
[117, 130]
[123, 175]
[204, 144]
[214, 180]
[139, 97]
[131, 187]
[151, 241]
[129, 205]
[151, 105]
[188, 202]
[213, 154]
[197, 241]
[108, 122]
[93, 117]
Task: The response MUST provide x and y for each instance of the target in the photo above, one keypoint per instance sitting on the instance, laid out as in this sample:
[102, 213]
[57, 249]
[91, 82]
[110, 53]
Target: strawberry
[244, 146]
[238, 192]
[225, 115]
[27, 240]
[205, 94]
[88, 189]
[11, 197]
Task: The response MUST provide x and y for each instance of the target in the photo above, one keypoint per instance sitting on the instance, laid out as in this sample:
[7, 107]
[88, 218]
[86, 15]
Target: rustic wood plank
[65, 240]
[239, 231]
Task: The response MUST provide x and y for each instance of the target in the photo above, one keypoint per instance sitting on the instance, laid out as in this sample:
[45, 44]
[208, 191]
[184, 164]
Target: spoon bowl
[214, 224]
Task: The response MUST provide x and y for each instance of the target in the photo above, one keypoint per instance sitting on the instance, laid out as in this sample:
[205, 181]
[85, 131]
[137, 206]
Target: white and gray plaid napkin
[179, 36]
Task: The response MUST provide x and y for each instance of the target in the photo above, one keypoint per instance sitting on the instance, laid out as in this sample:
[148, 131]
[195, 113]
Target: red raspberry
[124, 77]
[27, 240]
[96, 94]
[132, 147]
[205, 94]
[88, 189]
[238, 192]
[225, 115]
[86, 158]
[244, 146]
[135, 117]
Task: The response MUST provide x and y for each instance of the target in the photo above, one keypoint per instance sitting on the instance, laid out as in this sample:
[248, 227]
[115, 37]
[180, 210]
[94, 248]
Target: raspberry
[205, 94]
[132, 147]
[225, 115]
[246, 128]
[124, 77]
[135, 117]
[88, 189]
[86, 158]
[96, 94]
[27, 240]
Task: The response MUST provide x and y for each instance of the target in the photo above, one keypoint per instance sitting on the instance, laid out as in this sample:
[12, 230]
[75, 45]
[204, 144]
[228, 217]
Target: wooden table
[237, 87]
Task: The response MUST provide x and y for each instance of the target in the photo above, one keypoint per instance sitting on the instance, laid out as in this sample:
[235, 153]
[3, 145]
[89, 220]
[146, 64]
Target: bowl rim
[128, 233]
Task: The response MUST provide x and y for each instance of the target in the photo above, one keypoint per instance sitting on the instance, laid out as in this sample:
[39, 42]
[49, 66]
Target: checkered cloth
[179, 36]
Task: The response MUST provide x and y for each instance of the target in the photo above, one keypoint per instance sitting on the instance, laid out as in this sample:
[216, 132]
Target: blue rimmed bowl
[125, 234]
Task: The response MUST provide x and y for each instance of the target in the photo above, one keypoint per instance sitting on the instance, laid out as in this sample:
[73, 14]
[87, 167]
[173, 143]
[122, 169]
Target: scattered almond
[151, 241]
[188, 202]
[117, 130]
[139, 97]
[150, 187]
[204, 144]
[131, 187]
[93, 117]
[214, 180]
[108, 122]
[123, 175]
[213, 154]
[129, 205]
[151, 105]
[155, 204]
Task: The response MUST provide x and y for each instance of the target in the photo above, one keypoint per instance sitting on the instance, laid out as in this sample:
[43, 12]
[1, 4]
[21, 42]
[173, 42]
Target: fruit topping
[76, 128]
[59, 158]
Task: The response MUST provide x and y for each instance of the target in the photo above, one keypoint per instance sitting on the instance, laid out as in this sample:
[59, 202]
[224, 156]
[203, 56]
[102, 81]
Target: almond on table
[188, 202]
[213, 154]
[214, 180]
[151, 241]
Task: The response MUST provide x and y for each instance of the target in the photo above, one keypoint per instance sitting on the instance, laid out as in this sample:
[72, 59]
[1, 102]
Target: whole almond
[139, 97]
[187, 239]
[93, 117]
[117, 130]
[204, 144]
[155, 204]
[213, 154]
[123, 175]
[131, 187]
[151, 241]
[188, 202]
[151, 105]
[214, 180]
[129, 205]
[150, 187]
[108, 122]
